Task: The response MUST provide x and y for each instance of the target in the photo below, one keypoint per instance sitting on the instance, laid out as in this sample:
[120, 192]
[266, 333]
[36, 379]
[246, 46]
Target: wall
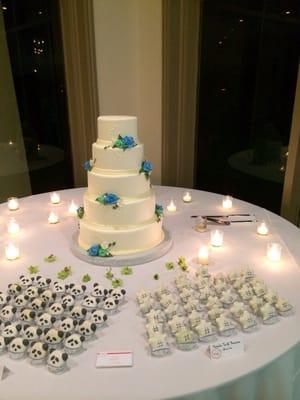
[14, 177]
[128, 37]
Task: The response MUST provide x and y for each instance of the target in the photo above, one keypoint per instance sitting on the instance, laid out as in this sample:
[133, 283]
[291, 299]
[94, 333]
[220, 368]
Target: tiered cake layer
[128, 240]
[110, 159]
[131, 211]
[131, 184]
[132, 225]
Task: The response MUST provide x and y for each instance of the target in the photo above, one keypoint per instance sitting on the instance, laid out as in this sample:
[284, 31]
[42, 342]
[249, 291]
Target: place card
[226, 348]
[110, 359]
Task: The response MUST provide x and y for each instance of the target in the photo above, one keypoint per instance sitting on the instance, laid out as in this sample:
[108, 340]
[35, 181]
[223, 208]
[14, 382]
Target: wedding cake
[119, 214]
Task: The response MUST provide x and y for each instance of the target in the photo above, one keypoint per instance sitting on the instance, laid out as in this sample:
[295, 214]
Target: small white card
[226, 348]
[108, 359]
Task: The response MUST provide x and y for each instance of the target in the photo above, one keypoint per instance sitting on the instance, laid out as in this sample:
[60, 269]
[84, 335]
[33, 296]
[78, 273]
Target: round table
[268, 369]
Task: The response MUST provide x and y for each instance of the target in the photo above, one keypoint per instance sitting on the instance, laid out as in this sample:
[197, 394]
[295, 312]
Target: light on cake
[262, 229]
[171, 207]
[53, 218]
[12, 252]
[227, 202]
[55, 198]
[216, 238]
[274, 251]
[73, 208]
[187, 198]
[13, 227]
[13, 203]
[203, 255]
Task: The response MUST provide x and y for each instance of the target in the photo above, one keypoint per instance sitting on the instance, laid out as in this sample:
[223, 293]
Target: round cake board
[119, 261]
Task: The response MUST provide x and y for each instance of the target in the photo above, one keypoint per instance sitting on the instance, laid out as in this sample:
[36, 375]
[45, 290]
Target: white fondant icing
[131, 184]
[117, 159]
[111, 126]
[130, 212]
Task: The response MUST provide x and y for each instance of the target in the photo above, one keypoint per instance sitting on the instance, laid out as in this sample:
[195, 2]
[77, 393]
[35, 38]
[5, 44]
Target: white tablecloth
[270, 366]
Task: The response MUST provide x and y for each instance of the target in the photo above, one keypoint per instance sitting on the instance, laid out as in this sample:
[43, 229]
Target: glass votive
[53, 218]
[73, 207]
[13, 203]
[55, 198]
[171, 207]
[13, 227]
[216, 238]
[203, 255]
[274, 251]
[12, 252]
[187, 198]
[262, 229]
[227, 202]
[201, 224]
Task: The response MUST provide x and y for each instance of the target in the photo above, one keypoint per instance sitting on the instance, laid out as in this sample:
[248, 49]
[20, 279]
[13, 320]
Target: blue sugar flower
[147, 166]
[94, 250]
[111, 198]
[87, 165]
[128, 142]
[159, 212]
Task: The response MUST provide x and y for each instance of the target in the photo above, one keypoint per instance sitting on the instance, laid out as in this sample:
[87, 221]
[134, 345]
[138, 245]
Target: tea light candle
[274, 251]
[201, 224]
[171, 207]
[216, 238]
[55, 198]
[53, 218]
[13, 203]
[187, 198]
[13, 227]
[227, 202]
[203, 255]
[73, 208]
[262, 229]
[12, 252]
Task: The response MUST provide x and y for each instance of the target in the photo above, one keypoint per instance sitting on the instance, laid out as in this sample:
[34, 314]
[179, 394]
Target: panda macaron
[118, 293]
[27, 315]
[99, 291]
[11, 330]
[77, 290]
[57, 361]
[4, 299]
[17, 348]
[42, 282]
[68, 324]
[78, 312]
[73, 343]
[21, 300]
[8, 313]
[38, 353]
[14, 289]
[53, 337]
[31, 332]
[90, 302]
[98, 317]
[86, 328]
[25, 281]
[60, 288]
[110, 304]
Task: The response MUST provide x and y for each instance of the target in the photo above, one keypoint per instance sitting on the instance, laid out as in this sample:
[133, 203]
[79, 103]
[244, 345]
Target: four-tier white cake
[119, 207]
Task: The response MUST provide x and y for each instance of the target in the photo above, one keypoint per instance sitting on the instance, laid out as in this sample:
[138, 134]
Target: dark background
[35, 48]
[247, 78]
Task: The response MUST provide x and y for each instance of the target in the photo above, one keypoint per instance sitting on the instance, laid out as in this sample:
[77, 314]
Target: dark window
[36, 54]
[248, 71]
